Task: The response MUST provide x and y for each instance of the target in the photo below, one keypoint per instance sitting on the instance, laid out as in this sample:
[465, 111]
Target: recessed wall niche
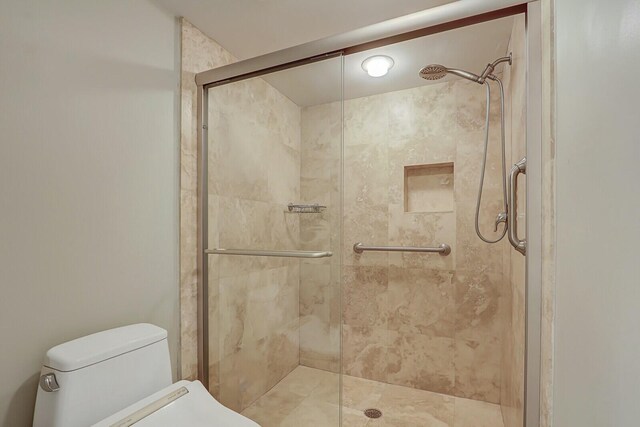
[428, 188]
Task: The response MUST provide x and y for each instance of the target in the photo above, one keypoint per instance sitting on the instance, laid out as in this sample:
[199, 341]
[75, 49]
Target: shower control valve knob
[502, 217]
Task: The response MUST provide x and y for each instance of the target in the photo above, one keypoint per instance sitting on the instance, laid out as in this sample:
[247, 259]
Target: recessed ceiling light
[377, 66]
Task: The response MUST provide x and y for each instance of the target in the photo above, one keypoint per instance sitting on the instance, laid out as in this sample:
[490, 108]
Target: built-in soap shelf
[429, 188]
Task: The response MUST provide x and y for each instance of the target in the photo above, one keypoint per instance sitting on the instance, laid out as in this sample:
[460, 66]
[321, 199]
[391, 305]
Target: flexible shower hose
[484, 162]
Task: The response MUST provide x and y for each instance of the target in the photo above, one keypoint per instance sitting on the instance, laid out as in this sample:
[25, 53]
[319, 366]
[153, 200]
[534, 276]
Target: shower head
[437, 71]
[433, 72]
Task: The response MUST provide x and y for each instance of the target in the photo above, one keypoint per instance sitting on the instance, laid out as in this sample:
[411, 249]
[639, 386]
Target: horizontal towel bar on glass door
[257, 252]
[443, 249]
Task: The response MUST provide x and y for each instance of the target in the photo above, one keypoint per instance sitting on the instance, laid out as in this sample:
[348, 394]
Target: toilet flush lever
[49, 383]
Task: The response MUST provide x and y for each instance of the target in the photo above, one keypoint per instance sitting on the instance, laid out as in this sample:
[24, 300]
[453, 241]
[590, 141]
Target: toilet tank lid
[101, 346]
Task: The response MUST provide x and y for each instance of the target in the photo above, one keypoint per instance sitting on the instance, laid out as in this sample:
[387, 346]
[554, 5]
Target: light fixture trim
[378, 65]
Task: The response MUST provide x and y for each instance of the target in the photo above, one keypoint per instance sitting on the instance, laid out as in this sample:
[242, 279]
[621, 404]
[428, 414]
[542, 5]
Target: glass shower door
[423, 330]
[274, 230]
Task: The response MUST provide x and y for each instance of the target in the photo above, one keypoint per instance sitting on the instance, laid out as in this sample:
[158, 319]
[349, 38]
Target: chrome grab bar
[516, 170]
[257, 252]
[443, 249]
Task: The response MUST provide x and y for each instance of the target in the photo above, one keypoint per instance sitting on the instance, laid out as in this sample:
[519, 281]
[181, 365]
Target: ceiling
[469, 48]
[248, 28]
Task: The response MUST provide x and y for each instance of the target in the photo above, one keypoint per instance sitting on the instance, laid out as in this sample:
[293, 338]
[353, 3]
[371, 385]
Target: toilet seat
[185, 403]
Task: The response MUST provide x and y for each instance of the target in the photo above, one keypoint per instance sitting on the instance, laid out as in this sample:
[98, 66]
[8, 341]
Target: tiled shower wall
[199, 53]
[419, 320]
[254, 164]
[320, 174]
[424, 321]
[254, 172]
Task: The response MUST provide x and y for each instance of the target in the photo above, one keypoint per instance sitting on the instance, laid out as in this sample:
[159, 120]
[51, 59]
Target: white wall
[597, 353]
[88, 179]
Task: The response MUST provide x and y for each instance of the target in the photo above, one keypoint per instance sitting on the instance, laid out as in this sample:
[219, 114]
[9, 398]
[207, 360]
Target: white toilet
[122, 377]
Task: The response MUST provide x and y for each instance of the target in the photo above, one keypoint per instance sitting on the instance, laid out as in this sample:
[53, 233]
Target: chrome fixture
[443, 249]
[378, 65]
[269, 253]
[313, 208]
[49, 383]
[516, 170]
[501, 217]
[436, 72]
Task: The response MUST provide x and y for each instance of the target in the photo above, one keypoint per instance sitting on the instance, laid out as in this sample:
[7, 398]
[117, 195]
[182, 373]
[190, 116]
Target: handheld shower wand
[436, 72]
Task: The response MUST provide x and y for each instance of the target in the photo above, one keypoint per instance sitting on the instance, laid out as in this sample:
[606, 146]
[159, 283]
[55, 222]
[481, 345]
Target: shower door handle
[516, 170]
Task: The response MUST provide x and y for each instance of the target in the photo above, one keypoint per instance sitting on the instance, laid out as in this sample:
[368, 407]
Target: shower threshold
[309, 397]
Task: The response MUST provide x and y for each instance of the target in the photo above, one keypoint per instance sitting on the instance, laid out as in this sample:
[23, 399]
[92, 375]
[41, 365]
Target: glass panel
[275, 152]
[424, 332]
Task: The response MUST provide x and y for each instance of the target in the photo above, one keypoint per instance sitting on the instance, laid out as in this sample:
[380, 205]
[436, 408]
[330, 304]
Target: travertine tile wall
[320, 174]
[512, 398]
[254, 172]
[198, 53]
[423, 321]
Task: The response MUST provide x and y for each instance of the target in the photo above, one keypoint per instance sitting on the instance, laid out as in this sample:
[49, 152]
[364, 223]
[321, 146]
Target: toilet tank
[87, 379]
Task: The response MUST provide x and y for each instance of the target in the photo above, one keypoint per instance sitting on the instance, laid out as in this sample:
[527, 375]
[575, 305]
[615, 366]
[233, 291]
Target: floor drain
[373, 413]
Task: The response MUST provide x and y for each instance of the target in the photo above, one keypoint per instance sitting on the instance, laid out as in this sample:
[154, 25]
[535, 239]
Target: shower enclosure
[340, 275]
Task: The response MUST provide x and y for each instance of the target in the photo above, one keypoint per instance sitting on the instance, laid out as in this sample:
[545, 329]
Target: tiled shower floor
[308, 397]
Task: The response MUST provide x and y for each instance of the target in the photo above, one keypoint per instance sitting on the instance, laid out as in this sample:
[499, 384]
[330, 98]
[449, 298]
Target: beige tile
[474, 413]
[422, 229]
[328, 390]
[478, 310]
[302, 380]
[429, 188]
[360, 393]
[421, 361]
[284, 229]
[426, 110]
[477, 365]
[272, 408]
[365, 355]
[367, 224]
[353, 418]
[421, 301]
[368, 174]
[282, 352]
[404, 406]
[416, 151]
[283, 176]
[313, 413]
[315, 290]
[243, 376]
[321, 130]
[243, 172]
[365, 296]
[315, 231]
[471, 105]
[366, 121]
[319, 344]
[307, 397]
